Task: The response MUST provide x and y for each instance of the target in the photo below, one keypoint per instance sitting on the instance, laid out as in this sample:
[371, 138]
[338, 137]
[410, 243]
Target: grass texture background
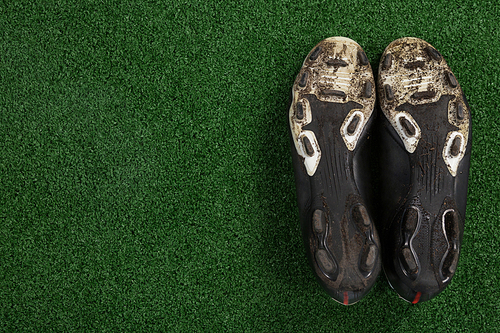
[146, 180]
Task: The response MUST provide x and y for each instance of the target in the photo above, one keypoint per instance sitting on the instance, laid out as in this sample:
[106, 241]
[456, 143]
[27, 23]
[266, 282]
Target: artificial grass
[145, 174]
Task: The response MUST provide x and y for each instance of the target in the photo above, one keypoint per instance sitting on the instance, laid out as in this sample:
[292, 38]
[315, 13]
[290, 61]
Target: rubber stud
[424, 94]
[353, 125]
[451, 79]
[455, 146]
[319, 221]
[303, 79]
[452, 230]
[324, 261]
[368, 257]
[410, 221]
[433, 53]
[407, 126]
[336, 62]
[460, 111]
[387, 61]
[450, 224]
[308, 146]
[360, 215]
[300, 111]
[333, 92]
[315, 53]
[409, 260]
[453, 267]
[389, 94]
[415, 64]
[362, 58]
[368, 89]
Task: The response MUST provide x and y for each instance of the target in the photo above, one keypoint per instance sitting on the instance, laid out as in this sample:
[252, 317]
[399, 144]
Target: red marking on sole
[346, 298]
[417, 298]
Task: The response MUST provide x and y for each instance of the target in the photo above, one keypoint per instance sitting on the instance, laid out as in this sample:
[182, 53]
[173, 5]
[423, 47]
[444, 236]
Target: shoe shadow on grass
[287, 275]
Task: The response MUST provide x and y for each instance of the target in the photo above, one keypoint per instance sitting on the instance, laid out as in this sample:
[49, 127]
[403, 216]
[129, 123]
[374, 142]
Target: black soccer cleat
[333, 99]
[426, 143]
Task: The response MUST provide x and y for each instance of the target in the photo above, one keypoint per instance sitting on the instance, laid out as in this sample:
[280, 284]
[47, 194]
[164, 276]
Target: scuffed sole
[336, 70]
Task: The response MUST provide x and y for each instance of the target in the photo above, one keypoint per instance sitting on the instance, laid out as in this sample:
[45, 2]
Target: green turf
[146, 180]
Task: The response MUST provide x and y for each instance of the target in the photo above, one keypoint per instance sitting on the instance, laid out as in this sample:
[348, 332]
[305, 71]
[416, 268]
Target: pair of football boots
[380, 190]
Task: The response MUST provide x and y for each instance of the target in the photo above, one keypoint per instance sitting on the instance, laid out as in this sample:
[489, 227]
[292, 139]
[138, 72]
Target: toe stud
[460, 111]
[433, 53]
[303, 80]
[367, 92]
[387, 61]
[315, 53]
[452, 81]
[415, 64]
[336, 62]
[389, 94]
[362, 58]
[300, 111]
